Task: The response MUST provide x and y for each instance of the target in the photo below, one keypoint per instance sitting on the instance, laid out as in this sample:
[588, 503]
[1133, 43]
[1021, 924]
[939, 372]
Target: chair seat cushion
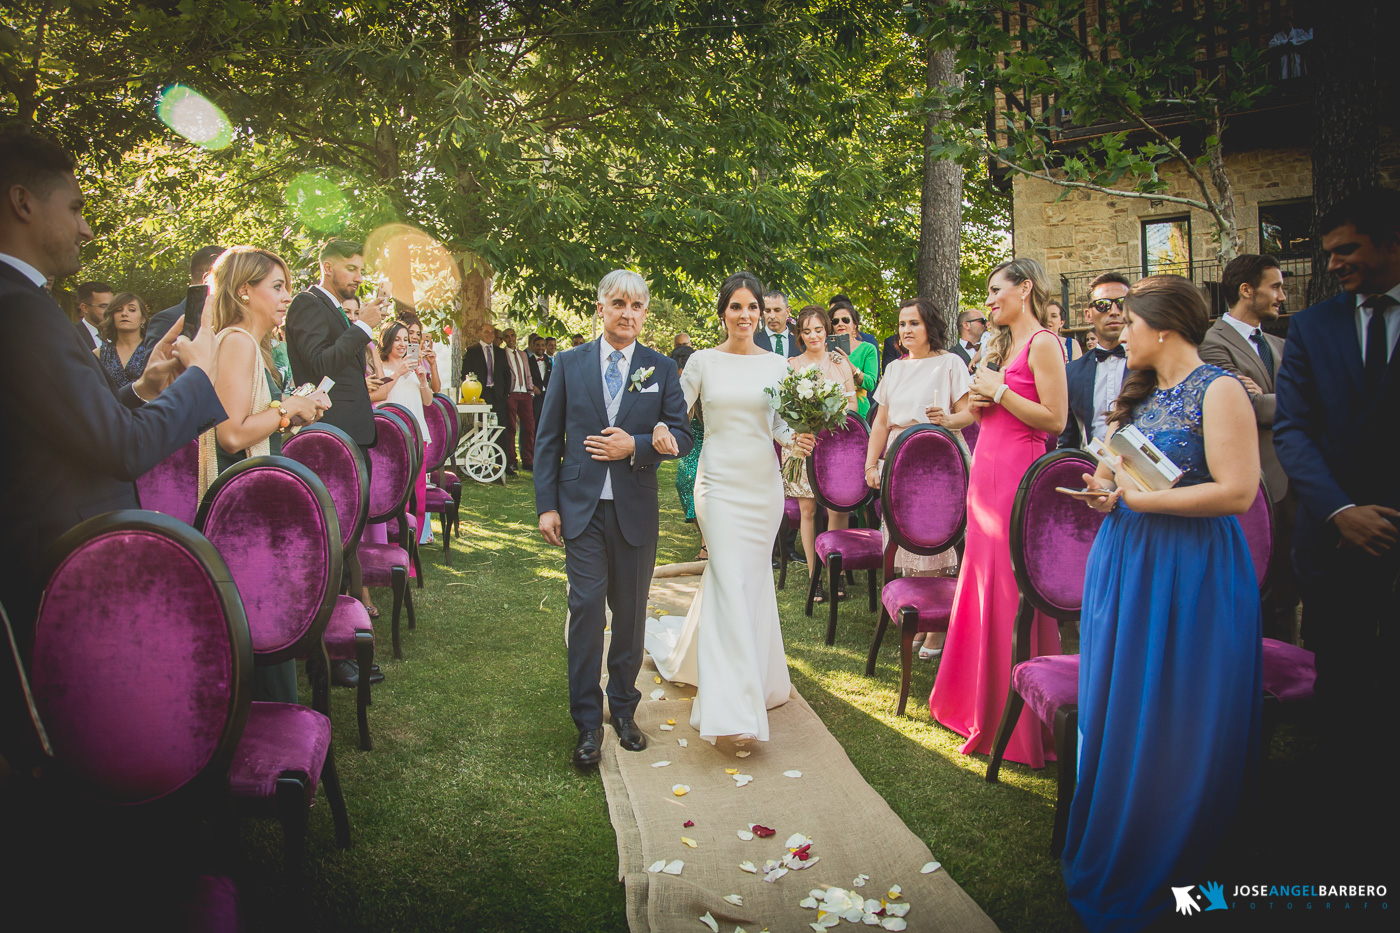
[1048, 683]
[392, 528]
[932, 597]
[279, 737]
[1289, 671]
[792, 511]
[378, 560]
[348, 618]
[438, 499]
[860, 548]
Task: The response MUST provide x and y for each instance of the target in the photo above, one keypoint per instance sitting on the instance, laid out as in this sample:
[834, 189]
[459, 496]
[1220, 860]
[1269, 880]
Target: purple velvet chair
[447, 476]
[339, 463]
[924, 502]
[410, 423]
[969, 435]
[836, 471]
[172, 486]
[440, 501]
[275, 525]
[1051, 535]
[391, 479]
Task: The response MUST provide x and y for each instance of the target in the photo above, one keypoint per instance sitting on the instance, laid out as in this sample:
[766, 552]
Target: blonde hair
[1018, 271]
[237, 267]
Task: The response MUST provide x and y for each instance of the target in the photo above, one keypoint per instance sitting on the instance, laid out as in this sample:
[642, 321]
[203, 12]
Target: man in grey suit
[596, 495]
[1253, 286]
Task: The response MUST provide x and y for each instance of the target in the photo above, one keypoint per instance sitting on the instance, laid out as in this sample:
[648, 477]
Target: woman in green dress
[686, 466]
[864, 357]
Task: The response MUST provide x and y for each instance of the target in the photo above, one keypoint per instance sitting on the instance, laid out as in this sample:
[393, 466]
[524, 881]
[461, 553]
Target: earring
[1161, 335]
[242, 297]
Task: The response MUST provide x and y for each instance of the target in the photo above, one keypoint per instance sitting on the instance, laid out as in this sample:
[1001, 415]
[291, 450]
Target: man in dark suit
[776, 335]
[1095, 379]
[1253, 285]
[488, 363]
[596, 494]
[541, 368]
[200, 264]
[1337, 393]
[74, 444]
[93, 299]
[971, 326]
[321, 340]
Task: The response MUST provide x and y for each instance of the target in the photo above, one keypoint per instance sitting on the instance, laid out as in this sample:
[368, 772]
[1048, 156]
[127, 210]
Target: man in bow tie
[1096, 377]
[972, 324]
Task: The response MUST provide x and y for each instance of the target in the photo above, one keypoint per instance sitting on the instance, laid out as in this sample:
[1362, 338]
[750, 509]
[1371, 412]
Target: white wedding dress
[731, 645]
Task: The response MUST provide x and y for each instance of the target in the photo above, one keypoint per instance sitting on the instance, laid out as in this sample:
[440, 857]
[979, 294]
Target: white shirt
[519, 367]
[1247, 331]
[31, 273]
[775, 340]
[605, 350]
[369, 331]
[1392, 321]
[1108, 382]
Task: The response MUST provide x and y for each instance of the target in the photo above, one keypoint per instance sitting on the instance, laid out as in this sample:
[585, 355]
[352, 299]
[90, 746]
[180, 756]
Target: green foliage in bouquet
[810, 403]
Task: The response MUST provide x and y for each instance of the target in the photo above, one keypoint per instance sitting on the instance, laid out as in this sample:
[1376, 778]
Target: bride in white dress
[731, 645]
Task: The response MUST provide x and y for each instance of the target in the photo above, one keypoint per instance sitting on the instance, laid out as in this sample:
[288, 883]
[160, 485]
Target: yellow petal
[690, 842]
[731, 770]
[670, 722]
[680, 790]
[657, 679]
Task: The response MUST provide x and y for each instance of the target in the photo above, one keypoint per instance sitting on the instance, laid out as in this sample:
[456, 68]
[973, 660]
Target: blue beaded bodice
[1171, 418]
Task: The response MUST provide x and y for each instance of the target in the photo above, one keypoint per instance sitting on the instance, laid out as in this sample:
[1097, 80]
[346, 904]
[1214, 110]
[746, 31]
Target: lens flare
[194, 116]
[318, 202]
[420, 271]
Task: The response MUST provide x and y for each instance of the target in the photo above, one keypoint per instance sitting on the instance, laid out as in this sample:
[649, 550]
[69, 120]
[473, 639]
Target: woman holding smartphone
[1170, 642]
[863, 357]
[405, 384]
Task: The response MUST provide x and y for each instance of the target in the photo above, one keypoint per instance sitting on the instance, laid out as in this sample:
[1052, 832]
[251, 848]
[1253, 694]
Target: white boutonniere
[640, 377]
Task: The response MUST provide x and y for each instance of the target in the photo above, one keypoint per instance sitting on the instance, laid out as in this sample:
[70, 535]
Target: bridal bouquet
[810, 403]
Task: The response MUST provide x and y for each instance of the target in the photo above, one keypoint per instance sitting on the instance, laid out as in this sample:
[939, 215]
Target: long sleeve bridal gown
[731, 645]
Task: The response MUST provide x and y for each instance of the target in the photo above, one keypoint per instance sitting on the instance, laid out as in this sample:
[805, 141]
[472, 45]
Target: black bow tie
[1100, 354]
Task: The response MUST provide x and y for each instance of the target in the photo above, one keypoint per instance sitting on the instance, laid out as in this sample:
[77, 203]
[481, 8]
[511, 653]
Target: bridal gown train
[731, 645]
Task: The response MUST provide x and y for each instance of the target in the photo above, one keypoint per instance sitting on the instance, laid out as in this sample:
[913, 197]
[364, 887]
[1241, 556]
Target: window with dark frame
[1285, 229]
[1166, 246]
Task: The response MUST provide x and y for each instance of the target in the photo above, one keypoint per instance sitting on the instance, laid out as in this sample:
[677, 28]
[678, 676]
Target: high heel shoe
[820, 595]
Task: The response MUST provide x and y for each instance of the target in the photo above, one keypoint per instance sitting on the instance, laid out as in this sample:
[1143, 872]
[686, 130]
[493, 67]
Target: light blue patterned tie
[613, 377]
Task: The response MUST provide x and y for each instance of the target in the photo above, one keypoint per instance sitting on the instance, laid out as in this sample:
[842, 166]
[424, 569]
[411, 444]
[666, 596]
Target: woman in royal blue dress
[1169, 680]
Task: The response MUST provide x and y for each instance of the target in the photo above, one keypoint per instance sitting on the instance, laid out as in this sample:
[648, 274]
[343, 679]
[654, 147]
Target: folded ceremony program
[1144, 463]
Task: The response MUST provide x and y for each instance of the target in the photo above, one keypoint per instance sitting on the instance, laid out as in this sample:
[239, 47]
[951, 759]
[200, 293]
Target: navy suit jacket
[74, 444]
[1337, 445]
[160, 323]
[761, 338]
[320, 343]
[567, 479]
[1079, 374]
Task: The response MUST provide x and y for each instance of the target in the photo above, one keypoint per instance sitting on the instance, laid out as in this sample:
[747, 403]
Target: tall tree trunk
[474, 309]
[940, 201]
[1347, 91]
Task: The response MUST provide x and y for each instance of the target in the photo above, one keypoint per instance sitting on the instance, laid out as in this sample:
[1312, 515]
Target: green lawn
[469, 815]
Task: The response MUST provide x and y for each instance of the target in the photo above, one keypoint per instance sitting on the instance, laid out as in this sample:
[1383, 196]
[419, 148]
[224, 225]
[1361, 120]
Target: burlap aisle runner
[853, 830]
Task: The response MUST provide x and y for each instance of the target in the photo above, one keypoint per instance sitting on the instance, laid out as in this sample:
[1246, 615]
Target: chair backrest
[969, 435]
[448, 407]
[275, 525]
[340, 464]
[393, 467]
[1258, 527]
[408, 418]
[435, 451]
[172, 486]
[836, 468]
[924, 490]
[1051, 533]
[23, 741]
[142, 664]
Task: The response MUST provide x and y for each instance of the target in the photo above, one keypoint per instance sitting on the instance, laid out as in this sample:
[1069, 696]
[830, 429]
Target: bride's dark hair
[732, 284]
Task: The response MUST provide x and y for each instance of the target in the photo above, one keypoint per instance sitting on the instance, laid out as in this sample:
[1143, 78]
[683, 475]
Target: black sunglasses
[1102, 305]
[840, 320]
[976, 320]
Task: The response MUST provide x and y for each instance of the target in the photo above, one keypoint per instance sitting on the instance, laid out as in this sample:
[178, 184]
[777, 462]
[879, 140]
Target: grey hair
[626, 283]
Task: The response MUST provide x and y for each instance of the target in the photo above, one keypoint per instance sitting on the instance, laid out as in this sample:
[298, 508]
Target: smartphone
[414, 354]
[840, 342]
[382, 290]
[1085, 493]
[195, 297]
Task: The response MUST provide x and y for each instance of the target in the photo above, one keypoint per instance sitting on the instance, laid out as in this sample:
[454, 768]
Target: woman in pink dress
[1019, 397]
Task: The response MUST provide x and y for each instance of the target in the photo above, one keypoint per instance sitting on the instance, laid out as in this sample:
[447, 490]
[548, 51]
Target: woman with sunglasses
[864, 357]
[1019, 399]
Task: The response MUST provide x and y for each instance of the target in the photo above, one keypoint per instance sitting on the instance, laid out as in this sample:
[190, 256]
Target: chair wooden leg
[1067, 751]
[399, 582]
[364, 657]
[417, 563]
[330, 782]
[874, 587]
[815, 573]
[834, 562]
[318, 674]
[293, 803]
[908, 628]
[875, 645]
[408, 601]
[446, 537]
[1010, 715]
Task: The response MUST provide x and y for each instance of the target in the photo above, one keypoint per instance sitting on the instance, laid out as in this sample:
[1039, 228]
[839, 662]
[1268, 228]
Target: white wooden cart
[483, 459]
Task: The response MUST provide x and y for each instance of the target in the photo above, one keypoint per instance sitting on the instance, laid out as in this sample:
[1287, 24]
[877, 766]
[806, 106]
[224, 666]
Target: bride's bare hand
[802, 444]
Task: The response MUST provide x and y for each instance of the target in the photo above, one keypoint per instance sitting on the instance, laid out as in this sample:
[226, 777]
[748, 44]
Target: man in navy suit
[74, 443]
[93, 299]
[776, 335]
[1337, 394]
[595, 492]
[1096, 378]
[200, 264]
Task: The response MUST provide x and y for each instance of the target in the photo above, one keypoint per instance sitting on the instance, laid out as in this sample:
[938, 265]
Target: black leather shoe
[628, 735]
[346, 674]
[510, 471]
[589, 749]
[376, 676]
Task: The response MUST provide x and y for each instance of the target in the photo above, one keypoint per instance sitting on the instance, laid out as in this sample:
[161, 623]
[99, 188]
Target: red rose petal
[687, 824]
[763, 832]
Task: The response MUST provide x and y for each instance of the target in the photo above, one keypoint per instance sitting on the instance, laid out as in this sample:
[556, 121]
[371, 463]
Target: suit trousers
[1281, 599]
[604, 570]
[520, 419]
